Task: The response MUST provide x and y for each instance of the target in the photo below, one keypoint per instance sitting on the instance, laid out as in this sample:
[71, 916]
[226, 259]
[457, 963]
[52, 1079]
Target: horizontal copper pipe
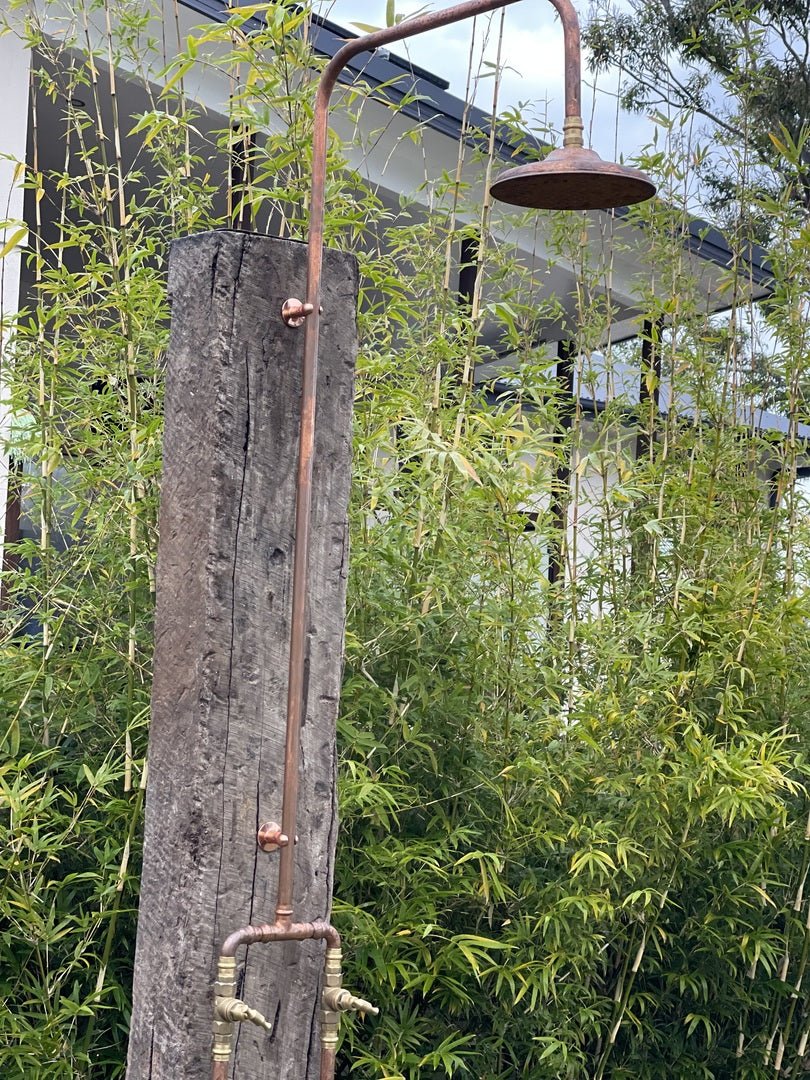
[281, 931]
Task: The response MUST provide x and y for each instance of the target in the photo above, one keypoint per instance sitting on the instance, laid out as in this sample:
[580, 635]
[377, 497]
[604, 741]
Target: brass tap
[338, 999]
[224, 987]
[228, 1010]
[232, 1010]
[335, 1000]
[330, 1019]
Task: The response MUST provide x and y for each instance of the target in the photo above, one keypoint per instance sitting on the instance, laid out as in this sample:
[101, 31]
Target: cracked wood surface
[224, 578]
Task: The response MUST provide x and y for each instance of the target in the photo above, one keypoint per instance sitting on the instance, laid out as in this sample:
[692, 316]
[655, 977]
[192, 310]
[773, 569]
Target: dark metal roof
[709, 243]
[423, 97]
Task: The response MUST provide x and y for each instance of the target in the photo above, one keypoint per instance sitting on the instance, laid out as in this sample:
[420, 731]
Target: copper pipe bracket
[270, 837]
[294, 312]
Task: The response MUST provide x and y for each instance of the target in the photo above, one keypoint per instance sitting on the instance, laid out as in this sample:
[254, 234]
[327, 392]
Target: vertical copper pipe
[219, 1070]
[303, 512]
[328, 1061]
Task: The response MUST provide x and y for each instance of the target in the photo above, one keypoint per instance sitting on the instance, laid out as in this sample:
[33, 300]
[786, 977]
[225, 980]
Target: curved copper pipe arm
[410, 28]
[283, 928]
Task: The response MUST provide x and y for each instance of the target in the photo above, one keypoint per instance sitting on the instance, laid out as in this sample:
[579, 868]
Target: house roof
[424, 97]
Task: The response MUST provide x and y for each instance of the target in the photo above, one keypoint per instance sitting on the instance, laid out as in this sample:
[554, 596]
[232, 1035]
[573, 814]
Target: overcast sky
[533, 55]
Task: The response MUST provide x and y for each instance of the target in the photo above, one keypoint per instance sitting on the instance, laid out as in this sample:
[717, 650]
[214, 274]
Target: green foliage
[574, 836]
[574, 817]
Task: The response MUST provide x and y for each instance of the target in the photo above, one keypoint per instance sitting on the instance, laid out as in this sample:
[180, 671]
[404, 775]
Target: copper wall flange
[294, 312]
[270, 837]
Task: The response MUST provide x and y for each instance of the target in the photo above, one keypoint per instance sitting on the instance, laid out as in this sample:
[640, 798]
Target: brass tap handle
[233, 1010]
[337, 999]
[358, 1004]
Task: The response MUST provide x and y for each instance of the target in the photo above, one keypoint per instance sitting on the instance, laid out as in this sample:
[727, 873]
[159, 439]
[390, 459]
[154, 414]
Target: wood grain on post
[216, 746]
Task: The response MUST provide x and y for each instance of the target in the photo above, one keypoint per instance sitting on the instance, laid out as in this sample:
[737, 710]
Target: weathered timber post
[216, 747]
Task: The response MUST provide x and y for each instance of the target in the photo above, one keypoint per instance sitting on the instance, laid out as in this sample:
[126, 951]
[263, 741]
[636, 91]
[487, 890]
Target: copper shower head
[572, 178]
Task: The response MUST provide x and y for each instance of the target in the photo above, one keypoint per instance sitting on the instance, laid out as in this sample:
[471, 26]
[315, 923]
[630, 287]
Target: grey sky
[533, 54]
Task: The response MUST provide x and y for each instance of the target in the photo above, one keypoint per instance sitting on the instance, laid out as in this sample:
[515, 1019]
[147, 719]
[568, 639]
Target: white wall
[14, 64]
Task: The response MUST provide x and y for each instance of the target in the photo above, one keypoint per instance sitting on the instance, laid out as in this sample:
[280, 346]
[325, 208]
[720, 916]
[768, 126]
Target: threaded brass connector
[224, 987]
[332, 974]
[573, 130]
[330, 1023]
[223, 1041]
